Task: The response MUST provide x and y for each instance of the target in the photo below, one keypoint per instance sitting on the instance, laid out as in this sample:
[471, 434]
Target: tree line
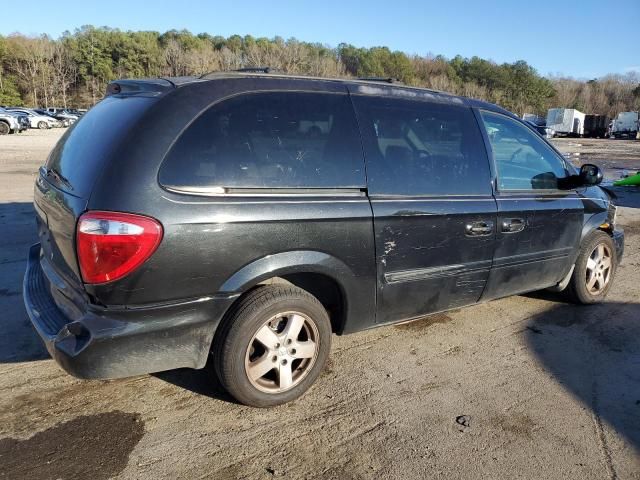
[73, 70]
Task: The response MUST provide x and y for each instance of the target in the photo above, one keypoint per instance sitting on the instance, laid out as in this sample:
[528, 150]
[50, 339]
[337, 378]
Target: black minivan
[248, 216]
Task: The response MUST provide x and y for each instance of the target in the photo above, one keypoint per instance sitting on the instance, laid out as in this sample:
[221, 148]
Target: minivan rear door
[65, 182]
[429, 184]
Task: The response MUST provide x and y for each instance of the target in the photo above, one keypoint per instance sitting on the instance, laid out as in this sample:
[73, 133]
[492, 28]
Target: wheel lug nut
[293, 351]
[289, 341]
[274, 359]
[284, 361]
[277, 345]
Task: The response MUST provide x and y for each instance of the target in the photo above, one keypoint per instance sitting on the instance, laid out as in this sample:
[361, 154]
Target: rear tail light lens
[111, 245]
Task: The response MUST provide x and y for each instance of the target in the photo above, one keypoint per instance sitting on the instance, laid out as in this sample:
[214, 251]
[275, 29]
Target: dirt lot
[613, 156]
[525, 387]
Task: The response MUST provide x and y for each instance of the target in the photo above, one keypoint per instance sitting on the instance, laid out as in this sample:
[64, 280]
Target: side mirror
[590, 174]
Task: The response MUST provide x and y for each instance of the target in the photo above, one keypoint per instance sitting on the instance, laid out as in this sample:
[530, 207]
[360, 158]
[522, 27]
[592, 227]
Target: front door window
[523, 160]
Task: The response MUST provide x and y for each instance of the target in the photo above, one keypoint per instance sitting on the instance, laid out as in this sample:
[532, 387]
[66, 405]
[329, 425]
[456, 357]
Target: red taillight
[111, 245]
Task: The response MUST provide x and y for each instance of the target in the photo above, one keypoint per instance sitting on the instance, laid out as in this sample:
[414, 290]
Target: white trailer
[566, 121]
[626, 124]
[533, 118]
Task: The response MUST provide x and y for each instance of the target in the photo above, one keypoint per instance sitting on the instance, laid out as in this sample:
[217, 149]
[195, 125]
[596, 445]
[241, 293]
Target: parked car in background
[8, 122]
[257, 184]
[37, 120]
[544, 131]
[13, 122]
[63, 119]
[24, 122]
[75, 111]
[566, 121]
[64, 113]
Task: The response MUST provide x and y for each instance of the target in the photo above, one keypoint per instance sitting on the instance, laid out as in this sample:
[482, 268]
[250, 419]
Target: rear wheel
[43, 125]
[273, 346]
[594, 269]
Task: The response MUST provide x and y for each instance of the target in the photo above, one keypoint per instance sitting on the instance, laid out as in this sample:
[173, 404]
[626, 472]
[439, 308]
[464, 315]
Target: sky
[583, 39]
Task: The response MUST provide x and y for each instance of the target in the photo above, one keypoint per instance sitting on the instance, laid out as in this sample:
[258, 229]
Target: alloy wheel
[282, 352]
[599, 266]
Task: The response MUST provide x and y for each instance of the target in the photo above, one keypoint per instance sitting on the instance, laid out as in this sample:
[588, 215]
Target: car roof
[371, 86]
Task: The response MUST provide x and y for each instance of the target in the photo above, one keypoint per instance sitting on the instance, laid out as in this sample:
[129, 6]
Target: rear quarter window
[269, 140]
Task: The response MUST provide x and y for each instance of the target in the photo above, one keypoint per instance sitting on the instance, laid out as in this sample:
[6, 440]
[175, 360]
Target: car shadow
[19, 341]
[201, 382]
[594, 353]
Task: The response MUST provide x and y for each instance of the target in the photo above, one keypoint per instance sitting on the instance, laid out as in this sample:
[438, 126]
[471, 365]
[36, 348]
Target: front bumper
[124, 341]
[618, 242]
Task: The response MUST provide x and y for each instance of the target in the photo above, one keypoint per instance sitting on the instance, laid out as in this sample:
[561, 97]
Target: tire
[43, 125]
[269, 312]
[4, 128]
[578, 290]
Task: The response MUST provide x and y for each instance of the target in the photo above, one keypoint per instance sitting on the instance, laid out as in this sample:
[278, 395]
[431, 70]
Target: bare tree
[174, 55]
[64, 68]
[230, 60]
[325, 66]
[202, 60]
[25, 64]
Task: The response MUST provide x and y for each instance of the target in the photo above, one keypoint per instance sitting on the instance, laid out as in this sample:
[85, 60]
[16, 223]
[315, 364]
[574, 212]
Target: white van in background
[626, 124]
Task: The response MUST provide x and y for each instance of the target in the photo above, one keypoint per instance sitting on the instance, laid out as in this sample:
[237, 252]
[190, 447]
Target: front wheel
[4, 128]
[594, 269]
[273, 346]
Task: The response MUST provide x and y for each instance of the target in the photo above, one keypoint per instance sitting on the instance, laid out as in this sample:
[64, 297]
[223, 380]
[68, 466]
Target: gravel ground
[524, 387]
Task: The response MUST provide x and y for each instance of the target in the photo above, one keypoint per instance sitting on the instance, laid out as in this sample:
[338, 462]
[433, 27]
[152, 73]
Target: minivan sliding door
[429, 184]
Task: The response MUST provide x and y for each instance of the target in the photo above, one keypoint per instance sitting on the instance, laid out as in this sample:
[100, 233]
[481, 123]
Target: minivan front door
[429, 184]
[539, 225]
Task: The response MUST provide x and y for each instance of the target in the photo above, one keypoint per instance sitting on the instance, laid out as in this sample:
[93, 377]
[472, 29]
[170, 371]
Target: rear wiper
[52, 172]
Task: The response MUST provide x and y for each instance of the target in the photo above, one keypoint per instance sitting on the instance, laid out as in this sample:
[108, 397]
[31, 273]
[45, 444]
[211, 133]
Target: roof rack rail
[380, 79]
[254, 69]
[240, 70]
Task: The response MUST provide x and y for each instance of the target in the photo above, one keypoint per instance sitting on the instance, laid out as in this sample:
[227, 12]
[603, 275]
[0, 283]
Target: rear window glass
[269, 140]
[81, 153]
[421, 148]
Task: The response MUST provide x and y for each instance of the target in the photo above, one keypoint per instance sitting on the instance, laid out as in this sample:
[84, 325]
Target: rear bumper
[121, 342]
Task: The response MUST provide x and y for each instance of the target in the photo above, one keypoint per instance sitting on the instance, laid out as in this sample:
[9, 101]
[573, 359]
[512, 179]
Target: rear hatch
[65, 183]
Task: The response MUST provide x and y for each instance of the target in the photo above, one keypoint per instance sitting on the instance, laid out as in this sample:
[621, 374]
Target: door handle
[513, 225]
[478, 229]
